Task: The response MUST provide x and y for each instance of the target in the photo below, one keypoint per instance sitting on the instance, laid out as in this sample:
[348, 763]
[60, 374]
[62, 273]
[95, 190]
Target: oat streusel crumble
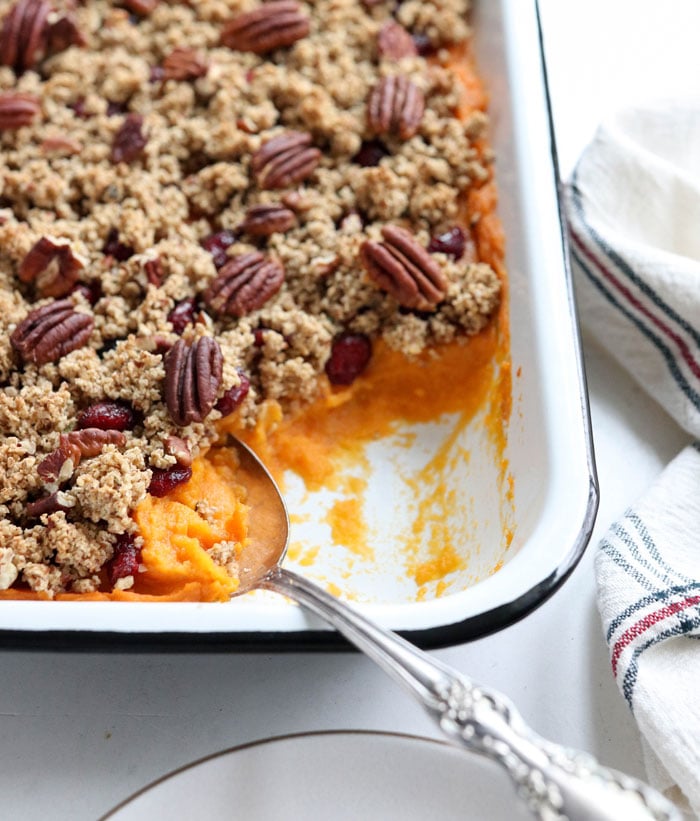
[205, 205]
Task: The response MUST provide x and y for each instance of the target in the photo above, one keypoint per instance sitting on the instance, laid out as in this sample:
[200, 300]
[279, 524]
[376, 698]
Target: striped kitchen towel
[633, 206]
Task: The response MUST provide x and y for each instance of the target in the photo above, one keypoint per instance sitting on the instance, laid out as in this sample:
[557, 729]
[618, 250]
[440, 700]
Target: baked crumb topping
[197, 201]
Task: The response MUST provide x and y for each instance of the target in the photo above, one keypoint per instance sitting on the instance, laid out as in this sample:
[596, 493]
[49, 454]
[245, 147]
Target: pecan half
[183, 64]
[395, 106]
[285, 160]
[274, 25]
[61, 145]
[129, 141]
[155, 273]
[90, 441]
[244, 284]
[295, 201]
[48, 504]
[192, 379]
[50, 332]
[177, 447]
[394, 42]
[404, 269]
[17, 110]
[52, 266]
[63, 34]
[59, 465]
[24, 34]
[263, 220]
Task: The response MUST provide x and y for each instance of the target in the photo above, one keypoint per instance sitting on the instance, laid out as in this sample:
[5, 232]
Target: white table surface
[80, 732]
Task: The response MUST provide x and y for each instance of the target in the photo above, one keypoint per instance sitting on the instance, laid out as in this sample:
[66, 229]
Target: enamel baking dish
[533, 534]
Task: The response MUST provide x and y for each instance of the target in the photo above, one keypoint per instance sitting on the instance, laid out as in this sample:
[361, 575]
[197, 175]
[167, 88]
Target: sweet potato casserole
[208, 210]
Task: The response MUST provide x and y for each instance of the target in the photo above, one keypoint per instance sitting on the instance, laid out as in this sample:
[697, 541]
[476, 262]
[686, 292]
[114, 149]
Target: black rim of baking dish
[445, 635]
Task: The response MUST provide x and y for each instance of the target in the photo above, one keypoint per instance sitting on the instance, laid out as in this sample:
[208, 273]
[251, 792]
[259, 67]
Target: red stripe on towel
[644, 624]
[608, 274]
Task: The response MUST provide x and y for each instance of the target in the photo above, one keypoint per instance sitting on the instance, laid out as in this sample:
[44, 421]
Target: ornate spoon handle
[554, 782]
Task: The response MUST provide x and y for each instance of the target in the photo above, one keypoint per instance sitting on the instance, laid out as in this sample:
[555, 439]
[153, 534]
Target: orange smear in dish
[446, 561]
[347, 522]
[454, 378]
[461, 378]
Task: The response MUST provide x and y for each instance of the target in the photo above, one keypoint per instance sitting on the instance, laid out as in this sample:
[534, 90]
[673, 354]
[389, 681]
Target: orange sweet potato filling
[456, 378]
[177, 538]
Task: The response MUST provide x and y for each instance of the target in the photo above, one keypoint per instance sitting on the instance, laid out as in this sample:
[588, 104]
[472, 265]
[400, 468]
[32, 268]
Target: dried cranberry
[154, 271]
[118, 250]
[79, 108]
[125, 561]
[423, 45]
[452, 242]
[182, 314]
[114, 108]
[370, 153]
[92, 291]
[129, 141]
[107, 415]
[234, 396]
[349, 357]
[259, 337]
[166, 479]
[157, 74]
[217, 244]
[193, 163]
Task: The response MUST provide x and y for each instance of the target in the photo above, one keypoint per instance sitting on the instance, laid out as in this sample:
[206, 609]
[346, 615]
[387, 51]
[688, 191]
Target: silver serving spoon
[554, 782]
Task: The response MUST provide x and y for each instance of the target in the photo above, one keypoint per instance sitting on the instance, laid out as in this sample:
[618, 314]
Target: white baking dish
[549, 445]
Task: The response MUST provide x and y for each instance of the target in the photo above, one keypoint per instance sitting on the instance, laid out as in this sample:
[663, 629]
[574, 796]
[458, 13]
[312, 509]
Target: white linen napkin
[633, 206]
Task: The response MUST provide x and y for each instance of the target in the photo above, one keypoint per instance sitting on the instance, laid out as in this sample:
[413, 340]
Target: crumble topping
[134, 137]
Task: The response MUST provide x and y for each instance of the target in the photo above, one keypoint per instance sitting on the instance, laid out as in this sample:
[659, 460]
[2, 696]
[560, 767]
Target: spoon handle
[554, 782]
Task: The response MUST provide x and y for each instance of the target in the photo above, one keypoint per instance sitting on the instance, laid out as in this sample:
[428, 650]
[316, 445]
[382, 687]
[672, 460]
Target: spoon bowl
[268, 538]
[554, 782]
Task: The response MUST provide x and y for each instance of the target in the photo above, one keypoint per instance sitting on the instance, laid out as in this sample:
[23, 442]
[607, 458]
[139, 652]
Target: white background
[80, 732]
